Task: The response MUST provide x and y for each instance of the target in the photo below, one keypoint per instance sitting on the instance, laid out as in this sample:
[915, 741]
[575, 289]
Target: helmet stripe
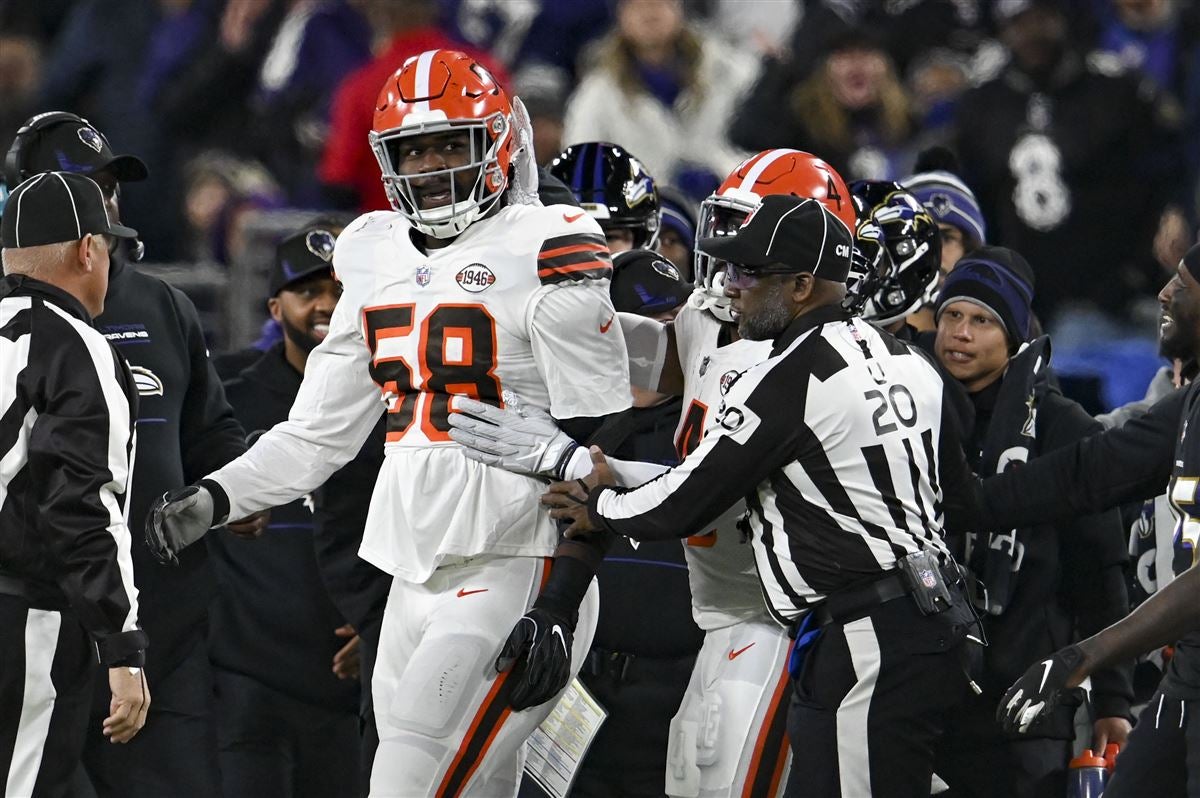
[598, 176]
[424, 61]
[761, 166]
[577, 178]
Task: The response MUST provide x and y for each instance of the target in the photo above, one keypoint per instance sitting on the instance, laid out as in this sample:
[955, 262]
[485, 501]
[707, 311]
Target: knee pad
[438, 684]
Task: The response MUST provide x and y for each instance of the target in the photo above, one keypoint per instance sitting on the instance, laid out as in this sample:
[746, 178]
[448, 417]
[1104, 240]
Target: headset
[28, 134]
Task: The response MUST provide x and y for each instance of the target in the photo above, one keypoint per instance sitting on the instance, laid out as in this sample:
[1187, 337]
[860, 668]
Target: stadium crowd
[971, 183]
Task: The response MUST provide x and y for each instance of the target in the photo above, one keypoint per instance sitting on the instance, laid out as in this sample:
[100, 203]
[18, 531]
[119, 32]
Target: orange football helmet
[444, 91]
[779, 171]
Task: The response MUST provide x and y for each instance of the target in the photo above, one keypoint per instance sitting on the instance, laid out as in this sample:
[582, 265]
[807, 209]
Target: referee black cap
[300, 255]
[787, 235]
[53, 207]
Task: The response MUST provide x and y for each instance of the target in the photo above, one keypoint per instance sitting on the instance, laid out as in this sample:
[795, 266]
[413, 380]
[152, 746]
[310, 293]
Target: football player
[615, 189]
[729, 736]
[468, 286]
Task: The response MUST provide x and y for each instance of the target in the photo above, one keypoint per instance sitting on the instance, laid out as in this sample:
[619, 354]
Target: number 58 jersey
[518, 305]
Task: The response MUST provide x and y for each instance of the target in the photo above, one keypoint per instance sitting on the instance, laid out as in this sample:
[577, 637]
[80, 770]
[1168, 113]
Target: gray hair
[37, 261]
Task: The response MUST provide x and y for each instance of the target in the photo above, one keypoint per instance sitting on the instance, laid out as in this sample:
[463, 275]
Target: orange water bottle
[1087, 776]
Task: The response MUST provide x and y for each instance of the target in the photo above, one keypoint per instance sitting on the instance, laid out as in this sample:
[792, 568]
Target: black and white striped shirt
[845, 447]
[67, 406]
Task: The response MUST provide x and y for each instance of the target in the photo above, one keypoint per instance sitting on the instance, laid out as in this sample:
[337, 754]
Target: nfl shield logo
[424, 275]
[927, 578]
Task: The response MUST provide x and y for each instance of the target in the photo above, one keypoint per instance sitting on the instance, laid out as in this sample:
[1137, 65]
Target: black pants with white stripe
[1162, 756]
[872, 700]
[47, 666]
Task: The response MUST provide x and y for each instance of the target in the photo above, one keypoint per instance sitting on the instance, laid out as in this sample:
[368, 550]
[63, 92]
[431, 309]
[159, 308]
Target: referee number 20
[897, 404]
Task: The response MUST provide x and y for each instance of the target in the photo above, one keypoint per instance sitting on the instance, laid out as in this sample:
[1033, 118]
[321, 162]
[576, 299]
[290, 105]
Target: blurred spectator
[348, 170]
[544, 92]
[936, 81]
[852, 111]
[664, 88]
[761, 27]
[523, 33]
[1057, 148]
[20, 77]
[281, 60]
[219, 189]
[677, 232]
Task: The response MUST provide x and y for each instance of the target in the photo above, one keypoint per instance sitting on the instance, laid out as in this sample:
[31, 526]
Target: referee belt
[851, 604]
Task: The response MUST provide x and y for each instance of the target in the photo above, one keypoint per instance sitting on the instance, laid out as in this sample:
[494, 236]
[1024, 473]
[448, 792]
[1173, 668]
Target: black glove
[1036, 694]
[177, 520]
[542, 640]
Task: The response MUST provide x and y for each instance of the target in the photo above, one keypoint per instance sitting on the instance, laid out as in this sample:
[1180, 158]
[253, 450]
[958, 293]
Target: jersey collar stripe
[422, 82]
[761, 166]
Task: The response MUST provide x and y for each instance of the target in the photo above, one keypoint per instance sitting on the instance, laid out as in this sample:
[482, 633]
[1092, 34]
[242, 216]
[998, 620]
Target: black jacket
[1133, 462]
[1054, 164]
[1071, 580]
[185, 430]
[273, 620]
[65, 439]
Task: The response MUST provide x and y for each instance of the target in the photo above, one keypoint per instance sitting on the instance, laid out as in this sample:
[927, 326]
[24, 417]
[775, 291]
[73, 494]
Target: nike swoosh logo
[557, 632]
[574, 218]
[735, 654]
[464, 592]
[1045, 673]
[604, 327]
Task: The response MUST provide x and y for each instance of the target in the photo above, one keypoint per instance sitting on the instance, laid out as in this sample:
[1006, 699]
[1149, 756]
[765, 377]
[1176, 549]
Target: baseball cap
[787, 234]
[645, 282]
[72, 145]
[53, 207]
[300, 255]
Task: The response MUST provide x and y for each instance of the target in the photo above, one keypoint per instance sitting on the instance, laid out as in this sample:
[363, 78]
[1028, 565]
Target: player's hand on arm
[1046, 684]
[524, 439]
[570, 499]
[129, 705]
[181, 517]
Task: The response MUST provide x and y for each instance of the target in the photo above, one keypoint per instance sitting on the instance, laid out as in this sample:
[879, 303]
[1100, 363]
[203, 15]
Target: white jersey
[516, 305]
[725, 586]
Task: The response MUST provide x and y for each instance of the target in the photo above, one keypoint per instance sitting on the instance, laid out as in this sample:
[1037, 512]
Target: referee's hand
[570, 499]
[130, 703]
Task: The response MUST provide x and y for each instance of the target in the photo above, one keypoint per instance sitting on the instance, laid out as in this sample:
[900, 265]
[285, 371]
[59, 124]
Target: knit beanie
[950, 201]
[997, 279]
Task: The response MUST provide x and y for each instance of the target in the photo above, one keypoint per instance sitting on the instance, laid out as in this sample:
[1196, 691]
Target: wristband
[220, 500]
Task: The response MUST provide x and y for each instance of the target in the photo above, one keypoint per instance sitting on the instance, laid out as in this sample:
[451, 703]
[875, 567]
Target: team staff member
[283, 731]
[1131, 462]
[846, 499]
[66, 426]
[1036, 586]
[185, 430]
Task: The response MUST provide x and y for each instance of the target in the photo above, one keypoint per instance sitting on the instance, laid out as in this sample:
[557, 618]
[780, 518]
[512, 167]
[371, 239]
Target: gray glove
[522, 439]
[177, 520]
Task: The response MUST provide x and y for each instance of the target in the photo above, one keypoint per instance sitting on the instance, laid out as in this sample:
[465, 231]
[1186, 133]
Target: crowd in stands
[1078, 137]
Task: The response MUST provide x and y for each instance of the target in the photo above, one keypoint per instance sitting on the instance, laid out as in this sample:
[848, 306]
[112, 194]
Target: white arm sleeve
[579, 350]
[646, 342]
[335, 410]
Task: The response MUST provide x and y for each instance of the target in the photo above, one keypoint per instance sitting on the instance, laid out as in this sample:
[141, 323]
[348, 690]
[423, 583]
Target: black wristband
[220, 501]
[564, 459]
[124, 648]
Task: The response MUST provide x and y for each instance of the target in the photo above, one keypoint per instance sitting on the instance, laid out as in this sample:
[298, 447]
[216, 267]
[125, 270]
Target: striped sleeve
[79, 454]
[574, 257]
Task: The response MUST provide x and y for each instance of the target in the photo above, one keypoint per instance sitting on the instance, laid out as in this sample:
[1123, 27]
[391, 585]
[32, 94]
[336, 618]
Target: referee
[67, 404]
[844, 446]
